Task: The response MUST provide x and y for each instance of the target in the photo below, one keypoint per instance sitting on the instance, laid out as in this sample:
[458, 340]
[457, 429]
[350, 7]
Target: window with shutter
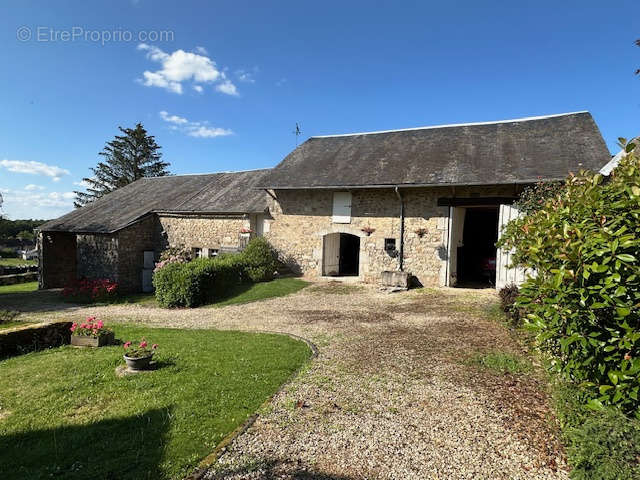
[341, 207]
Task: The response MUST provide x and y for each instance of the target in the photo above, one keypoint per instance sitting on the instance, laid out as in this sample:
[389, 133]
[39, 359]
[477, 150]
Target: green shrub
[601, 445]
[584, 303]
[260, 260]
[196, 282]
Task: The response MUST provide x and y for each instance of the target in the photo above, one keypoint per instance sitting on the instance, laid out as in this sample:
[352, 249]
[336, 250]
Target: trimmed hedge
[201, 281]
[260, 260]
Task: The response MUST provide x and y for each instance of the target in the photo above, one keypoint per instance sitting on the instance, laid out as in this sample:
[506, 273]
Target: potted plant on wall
[368, 230]
[138, 357]
[245, 232]
[421, 232]
[91, 333]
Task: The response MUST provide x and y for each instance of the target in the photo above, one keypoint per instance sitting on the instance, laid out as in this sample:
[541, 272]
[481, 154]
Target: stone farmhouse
[428, 201]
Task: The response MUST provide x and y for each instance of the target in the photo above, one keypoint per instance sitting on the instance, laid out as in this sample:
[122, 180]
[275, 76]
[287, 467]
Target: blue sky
[222, 84]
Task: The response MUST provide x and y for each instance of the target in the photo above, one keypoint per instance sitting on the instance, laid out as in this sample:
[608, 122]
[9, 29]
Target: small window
[197, 252]
[390, 244]
[213, 252]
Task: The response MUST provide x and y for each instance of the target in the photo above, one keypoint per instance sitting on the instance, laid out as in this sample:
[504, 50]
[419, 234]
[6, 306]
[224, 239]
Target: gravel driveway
[392, 393]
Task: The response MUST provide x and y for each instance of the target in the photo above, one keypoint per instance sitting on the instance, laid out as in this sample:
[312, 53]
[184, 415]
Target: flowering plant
[368, 230]
[91, 327]
[173, 255]
[246, 230]
[140, 351]
[90, 290]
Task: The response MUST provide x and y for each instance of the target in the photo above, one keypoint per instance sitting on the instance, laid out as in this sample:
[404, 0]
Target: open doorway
[476, 253]
[341, 255]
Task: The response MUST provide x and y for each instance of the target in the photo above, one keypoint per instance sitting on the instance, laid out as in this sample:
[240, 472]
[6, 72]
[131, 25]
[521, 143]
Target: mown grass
[13, 262]
[260, 291]
[502, 362]
[65, 414]
[19, 288]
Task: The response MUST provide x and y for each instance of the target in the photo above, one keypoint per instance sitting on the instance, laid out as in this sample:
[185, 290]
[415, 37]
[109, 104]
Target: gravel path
[391, 394]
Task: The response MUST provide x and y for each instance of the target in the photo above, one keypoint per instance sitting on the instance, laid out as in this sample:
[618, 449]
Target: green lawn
[253, 292]
[65, 414]
[19, 288]
[249, 292]
[16, 261]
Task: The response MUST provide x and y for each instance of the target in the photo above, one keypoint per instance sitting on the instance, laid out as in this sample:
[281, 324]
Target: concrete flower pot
[141, 363]
[87, 341]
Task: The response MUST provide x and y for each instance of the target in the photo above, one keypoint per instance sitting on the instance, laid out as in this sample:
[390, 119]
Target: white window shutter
[341, 207]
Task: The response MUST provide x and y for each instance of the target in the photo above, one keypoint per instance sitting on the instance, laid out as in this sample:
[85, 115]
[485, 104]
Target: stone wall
[301, 218]
[213, 232]
[97, 256]
[57, 259]
[132, 242]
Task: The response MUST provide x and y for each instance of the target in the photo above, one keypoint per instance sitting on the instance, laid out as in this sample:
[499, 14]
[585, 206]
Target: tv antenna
[297, 132]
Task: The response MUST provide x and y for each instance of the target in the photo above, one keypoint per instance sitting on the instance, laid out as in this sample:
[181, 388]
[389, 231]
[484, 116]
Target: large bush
[260, 259]
[583, 304]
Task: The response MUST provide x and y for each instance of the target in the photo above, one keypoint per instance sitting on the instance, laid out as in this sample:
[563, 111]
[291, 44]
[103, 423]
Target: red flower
[143, 344]
[127, 345]
[154, 346]
[74, 326]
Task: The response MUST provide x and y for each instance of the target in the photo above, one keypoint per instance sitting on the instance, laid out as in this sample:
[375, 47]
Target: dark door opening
[477, 256]
[341, 255]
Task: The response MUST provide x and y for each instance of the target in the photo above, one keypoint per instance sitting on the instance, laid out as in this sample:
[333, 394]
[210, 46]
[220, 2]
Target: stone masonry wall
[200, 231]
[302, 217]
[132, 242]
[97, 256]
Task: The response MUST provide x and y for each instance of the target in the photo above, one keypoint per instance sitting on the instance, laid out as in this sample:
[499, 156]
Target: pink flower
[143, 344]
[74, 326]
[100, 324]
[84, 325]
[154, 346]
[127, 345]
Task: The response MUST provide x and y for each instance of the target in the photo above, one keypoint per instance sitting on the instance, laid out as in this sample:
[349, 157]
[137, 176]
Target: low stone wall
[18, 278]
[16, 341]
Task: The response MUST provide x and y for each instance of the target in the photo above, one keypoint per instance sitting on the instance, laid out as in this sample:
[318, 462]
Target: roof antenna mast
[297, 133]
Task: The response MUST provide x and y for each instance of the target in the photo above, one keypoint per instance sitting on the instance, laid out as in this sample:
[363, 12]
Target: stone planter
[86, 341]
[136, 364]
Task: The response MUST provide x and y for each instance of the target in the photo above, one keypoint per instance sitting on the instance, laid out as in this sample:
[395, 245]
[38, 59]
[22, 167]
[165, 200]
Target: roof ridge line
[211, 173]
[431, 127]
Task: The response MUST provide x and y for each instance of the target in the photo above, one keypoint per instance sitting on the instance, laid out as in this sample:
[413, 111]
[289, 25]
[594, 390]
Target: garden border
[221, 448]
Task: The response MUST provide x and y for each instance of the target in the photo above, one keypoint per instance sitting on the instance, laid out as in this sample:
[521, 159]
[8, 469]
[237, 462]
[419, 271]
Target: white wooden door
[341, 207]
[506, 275]
[331, 254]
[456, 231]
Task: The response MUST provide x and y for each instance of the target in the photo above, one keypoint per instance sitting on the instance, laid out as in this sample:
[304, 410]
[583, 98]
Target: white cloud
[31, 187]
[30, 204]
[172, 118]
[193, 129]
[198, 88]
[179, 67]
[227, 87]
[208, 132]
[246, 76]
[34, 168]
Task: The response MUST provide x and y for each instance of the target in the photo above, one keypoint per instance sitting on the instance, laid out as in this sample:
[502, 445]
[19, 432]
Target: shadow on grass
[120, 448]
[34, 301]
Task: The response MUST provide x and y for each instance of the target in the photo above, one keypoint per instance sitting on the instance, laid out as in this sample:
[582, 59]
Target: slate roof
[215, 193]
[512, 151]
